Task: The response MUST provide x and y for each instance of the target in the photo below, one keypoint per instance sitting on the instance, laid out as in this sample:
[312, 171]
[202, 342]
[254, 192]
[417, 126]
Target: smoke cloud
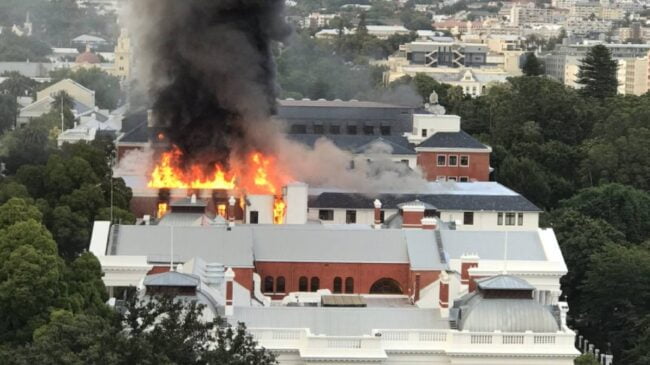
[209, 70]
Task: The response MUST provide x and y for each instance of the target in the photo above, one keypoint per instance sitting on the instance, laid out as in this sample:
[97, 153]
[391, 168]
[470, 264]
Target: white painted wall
[487, 221]
[263, 204]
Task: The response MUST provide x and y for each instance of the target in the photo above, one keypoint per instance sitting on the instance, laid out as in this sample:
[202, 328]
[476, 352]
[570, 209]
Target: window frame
[463, 179]
[269, 284]
[520, 218]
[468, 218]
[303, 283]
[452, 178]
[253, 214]
[337, 285]
[349, 285]
[423, 132]
[314, 284]
[444, 163]
[350, 213]
[510, 219]
[330, 215]
[280, 284]
[455, 164]
[499, 218]
[460, 160]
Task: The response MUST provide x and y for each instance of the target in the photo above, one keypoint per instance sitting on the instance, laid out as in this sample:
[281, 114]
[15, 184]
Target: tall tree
[597, 73]
[532, 66]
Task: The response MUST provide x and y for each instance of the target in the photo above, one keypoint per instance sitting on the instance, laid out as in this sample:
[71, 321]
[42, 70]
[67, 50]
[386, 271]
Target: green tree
[625, 208]
[532, 66]
[70, 229]
[16, 85]
[30, 270]
[617, 293]
[17, 210]
[8, 112]
[62, 105]
[11, 189]
[586, 359]
[14, 48]
[597, 73]
[107, 88]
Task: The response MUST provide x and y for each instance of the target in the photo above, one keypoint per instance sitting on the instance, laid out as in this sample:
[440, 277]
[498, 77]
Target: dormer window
[424, 133]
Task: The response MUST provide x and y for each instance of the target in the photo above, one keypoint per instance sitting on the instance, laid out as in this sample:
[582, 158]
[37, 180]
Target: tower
[123, 56]
[28, 26]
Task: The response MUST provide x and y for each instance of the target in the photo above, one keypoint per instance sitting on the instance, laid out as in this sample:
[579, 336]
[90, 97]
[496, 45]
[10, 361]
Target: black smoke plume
[209, 70]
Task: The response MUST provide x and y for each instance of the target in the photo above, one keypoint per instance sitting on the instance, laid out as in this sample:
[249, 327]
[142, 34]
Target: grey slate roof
[339, 321]
[423, 251]
[479, 314]
[504, 282]
[490, 245]
[440, 201]
[452, 140]
[172, 278]
[358, 143]
[329, 245]
[212, 244]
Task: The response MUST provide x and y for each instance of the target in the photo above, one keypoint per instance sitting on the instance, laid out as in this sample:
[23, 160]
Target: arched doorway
[386, 286]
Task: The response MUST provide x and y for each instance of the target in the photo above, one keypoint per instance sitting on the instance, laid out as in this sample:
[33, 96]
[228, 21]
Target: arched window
[386, 286]
[338, 285]
[268, 284]
[302, 283]
[279, 284]
[349, 285]
[315, 283]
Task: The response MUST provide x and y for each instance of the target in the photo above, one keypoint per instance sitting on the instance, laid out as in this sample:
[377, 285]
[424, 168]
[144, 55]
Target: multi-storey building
[563, 64]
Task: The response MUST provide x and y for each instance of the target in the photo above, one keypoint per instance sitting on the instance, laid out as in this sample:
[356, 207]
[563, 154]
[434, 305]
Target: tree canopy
[597, 73]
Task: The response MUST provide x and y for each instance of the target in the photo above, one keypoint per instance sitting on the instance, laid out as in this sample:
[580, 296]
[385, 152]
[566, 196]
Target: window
[520, 219]
[349, 285]
[254, 217]
[352, 129]
[510, 219]
[315, 283]
[268, 284]
[453, 160]
[463, 179]
[441, 178]
[384, 130]
[499, 219]
[368, 130]
[468, 218]
[451, 178]
[442, 160]
[298, 129]
[302, 283]
[326, 214]
[319, 129]
[279, 284]
[350, 216]
[338, 285]
[381, 216]
[405, 162]
[335, 129]
[424, 133]
[464, 161]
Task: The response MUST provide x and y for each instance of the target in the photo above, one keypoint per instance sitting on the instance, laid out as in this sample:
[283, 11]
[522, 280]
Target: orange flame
[257, 174]
[279, 207]
[162, 209]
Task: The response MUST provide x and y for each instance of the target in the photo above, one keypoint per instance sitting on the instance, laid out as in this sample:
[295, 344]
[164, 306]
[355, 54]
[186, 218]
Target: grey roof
[187, 202]
[329, 245]
[418, 203]
[358, 143]
[211, 243]
[172, 278]
[490, 245]
[459, 202]
[423, 251]
[504, 282]
[28, 69]
[137, 134]
[339, 321]
[452, 140]
[479, 314]
[180, 219]
[287, 103]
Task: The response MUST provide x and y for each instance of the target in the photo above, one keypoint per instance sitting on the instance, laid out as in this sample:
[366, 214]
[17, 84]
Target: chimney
[443, 294]
[467, 262]
[416, 296]
[150, 119]
[231, 211]
[296, 196]
[230, 277]
[146, 219]
[377, 204]
[429, 223]
[412, 214]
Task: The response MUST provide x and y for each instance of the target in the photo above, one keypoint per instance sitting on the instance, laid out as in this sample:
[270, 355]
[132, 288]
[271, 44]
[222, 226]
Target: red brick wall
[478, 169]
[244, 277]
[412, 219]
[364, 275]
[464, 271]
